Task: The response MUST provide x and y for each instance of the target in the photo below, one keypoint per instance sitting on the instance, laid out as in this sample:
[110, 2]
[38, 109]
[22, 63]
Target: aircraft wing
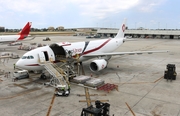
[124, 53]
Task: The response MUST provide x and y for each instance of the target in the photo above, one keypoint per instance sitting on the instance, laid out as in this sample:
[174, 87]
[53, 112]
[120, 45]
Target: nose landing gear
[43, 76]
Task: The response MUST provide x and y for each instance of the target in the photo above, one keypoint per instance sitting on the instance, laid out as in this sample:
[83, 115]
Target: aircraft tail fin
[120, 33]
[25, 31]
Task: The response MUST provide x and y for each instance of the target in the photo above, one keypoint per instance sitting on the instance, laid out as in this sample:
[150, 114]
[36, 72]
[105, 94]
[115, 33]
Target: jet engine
[98, 65]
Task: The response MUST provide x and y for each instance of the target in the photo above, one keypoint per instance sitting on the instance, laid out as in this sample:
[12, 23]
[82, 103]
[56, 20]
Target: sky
[149, 14]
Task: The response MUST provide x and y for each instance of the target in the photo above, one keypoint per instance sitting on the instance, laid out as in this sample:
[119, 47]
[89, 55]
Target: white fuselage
[81, 48]
[102, 49]
[94, 47]
[9, 38]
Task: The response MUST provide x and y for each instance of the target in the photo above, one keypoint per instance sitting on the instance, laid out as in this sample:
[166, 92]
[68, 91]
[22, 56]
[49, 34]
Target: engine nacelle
[98, 65]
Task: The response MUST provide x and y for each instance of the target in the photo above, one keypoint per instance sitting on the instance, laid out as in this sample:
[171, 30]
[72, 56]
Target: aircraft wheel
[43, 76]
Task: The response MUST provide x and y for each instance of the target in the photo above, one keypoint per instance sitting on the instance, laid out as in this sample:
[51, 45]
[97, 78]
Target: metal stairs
[59, 76]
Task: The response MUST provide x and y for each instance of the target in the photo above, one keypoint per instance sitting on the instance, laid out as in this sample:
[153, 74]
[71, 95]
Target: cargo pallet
[108, 87]
[93, 83]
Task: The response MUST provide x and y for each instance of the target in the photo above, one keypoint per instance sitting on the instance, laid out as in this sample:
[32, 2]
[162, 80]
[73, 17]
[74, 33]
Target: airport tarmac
[139, 79]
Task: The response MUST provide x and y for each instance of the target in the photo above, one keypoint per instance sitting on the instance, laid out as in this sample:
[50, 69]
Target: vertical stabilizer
[26, 29]
[120, 33]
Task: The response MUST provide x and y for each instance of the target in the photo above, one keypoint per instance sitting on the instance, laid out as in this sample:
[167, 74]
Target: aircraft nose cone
[19, 64]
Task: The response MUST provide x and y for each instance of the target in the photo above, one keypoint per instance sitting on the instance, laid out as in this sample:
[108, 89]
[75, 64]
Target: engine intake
[98, 65]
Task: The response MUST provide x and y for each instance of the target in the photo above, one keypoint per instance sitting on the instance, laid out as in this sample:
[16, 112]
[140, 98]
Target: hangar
[143, 33]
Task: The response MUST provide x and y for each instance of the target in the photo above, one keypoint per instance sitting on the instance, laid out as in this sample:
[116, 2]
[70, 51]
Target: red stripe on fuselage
[33, 65]
[39, 65]
[95, 49]
[66, 45]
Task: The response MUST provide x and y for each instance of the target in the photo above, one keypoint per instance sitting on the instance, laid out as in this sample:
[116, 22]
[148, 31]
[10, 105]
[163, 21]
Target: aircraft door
[43, 56]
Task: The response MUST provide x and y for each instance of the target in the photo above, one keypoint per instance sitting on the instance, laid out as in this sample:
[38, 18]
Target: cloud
[149, 5]
[33, 6]
[101, 8]
[81, 11]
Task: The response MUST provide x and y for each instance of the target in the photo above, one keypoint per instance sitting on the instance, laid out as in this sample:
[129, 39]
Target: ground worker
[14, 66]
[62, 89]
[69, 88]
[9, 74]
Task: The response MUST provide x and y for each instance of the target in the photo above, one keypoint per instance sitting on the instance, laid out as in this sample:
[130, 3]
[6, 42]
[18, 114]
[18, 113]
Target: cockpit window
[31, 57]
[24, 57]
[27, 57]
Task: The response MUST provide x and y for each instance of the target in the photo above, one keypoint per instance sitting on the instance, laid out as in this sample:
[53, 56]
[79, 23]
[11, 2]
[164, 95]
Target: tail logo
[123, 27]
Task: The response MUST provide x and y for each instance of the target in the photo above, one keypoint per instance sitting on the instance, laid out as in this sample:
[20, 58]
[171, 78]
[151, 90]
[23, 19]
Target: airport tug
[62, 91]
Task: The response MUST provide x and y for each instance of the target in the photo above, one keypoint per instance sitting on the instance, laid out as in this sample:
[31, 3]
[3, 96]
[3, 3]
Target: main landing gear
[43, 76]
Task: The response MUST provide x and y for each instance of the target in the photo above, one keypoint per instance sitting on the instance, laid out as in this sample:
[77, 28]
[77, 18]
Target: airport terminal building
[142, 33]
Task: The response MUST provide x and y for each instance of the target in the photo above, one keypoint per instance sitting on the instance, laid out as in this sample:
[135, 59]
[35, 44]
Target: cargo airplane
[100, 49]
[20, 36]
